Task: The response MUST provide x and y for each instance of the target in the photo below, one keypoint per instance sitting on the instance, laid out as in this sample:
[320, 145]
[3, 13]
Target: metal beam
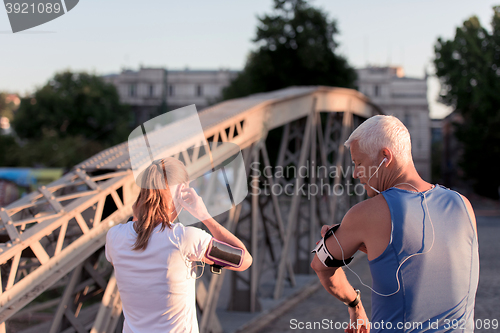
[339, 163]
[292, 217]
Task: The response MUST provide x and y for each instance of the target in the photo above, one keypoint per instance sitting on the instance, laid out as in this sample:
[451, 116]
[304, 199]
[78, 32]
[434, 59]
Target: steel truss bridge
[52, 240]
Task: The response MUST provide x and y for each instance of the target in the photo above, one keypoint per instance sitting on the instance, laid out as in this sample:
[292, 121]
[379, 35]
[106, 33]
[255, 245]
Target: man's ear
[387, 154]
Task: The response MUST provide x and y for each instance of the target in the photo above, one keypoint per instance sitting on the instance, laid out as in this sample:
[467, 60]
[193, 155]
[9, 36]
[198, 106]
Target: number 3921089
[40, 8]
[478, 324]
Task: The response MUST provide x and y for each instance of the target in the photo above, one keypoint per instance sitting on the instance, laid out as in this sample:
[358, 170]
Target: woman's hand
[192, 202]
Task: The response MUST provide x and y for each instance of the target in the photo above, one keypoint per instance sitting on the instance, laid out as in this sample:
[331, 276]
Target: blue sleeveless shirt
[437, 288]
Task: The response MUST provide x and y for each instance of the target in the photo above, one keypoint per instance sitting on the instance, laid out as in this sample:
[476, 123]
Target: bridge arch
[55, 235]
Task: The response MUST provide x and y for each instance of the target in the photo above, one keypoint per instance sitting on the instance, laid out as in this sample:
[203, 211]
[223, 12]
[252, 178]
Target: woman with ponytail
[155, 258]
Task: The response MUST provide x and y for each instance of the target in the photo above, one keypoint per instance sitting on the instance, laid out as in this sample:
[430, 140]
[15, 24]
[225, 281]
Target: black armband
[324, 255]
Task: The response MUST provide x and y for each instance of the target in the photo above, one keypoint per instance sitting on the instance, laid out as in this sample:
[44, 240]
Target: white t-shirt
[157, 285]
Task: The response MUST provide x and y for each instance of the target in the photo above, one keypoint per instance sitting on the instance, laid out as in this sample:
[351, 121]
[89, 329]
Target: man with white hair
[420, 240]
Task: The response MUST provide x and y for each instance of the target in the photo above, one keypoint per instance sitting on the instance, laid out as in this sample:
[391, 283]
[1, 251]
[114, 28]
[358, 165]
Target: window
[132, 90]
[376, 90]
[151, 90]
[199, 90]
[171, 90]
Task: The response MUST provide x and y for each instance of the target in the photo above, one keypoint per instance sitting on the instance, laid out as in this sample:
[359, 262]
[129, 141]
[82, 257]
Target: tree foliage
[73, 104]
[469, 69]
[296, 46]
[72, 117]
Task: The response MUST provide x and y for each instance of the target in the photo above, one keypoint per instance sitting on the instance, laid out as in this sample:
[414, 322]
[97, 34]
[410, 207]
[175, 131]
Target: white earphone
[368, 181]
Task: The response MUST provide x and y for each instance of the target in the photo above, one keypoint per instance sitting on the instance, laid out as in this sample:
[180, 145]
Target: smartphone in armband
[223, 255]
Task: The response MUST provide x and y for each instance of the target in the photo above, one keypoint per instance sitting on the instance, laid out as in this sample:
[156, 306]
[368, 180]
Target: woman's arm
[222, 234]
[193, 203]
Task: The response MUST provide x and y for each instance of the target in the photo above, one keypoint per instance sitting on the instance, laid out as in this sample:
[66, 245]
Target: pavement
[318, 307]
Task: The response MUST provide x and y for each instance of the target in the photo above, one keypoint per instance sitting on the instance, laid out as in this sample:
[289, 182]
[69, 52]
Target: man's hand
[324, 229]
[359, 320]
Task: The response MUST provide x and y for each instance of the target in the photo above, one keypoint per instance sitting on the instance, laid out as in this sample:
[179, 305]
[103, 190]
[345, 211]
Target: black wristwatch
[356, 300]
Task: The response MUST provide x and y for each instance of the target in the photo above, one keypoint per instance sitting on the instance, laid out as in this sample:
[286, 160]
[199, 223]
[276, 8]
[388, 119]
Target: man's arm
[470, 210]
[335, 282]
[341, 245]
[333, 279]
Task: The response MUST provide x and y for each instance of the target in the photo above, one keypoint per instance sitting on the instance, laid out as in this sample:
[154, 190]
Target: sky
[104, 37]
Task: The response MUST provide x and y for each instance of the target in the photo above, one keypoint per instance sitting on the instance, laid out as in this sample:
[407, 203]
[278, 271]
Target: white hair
[380, 132]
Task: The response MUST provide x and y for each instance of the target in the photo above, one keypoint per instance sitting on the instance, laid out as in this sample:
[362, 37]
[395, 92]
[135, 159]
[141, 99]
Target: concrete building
[152, 91]
[406, 99]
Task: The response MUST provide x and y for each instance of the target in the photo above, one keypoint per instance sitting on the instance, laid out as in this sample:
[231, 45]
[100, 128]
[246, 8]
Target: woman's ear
[182, 186]
[178, 191]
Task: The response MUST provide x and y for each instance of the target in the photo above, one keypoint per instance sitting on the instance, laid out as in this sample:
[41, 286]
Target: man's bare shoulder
[370, 220]
[369, 211]
[470, 210]
[467, 202]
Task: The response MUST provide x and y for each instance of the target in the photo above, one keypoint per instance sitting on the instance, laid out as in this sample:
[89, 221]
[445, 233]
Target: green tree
[73, 104]
[72, 117]
[469, 69]
[296, 46]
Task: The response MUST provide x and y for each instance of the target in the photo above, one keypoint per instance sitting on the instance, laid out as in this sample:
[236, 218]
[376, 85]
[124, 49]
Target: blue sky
[106, 36]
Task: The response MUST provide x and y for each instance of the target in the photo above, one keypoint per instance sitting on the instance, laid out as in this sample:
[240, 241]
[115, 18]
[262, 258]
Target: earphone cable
[401, 264]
